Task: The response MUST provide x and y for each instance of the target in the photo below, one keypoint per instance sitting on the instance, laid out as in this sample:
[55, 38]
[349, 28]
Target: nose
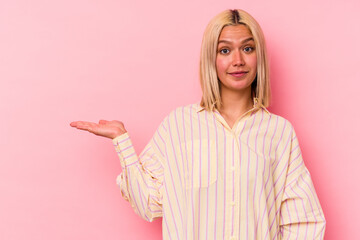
[238, 59]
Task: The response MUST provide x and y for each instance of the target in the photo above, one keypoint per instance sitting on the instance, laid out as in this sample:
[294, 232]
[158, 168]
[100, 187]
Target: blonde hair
[260, 88]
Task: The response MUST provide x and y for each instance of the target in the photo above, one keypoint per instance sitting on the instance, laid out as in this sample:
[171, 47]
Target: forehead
[236, 32]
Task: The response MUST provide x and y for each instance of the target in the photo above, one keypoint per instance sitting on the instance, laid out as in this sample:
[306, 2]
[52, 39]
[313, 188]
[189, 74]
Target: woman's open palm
[109, 129]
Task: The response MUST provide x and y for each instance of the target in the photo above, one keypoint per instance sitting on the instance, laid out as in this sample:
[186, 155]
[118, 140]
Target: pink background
[136, 61]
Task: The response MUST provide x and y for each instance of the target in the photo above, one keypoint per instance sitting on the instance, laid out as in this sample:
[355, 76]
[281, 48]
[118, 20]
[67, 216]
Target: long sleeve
[301, 216]
[141, 179]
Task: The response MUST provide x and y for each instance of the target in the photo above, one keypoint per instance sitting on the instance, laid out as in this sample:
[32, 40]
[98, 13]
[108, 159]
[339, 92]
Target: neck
[236, 103]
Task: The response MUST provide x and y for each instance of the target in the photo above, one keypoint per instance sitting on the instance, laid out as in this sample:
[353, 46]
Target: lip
[238, 73]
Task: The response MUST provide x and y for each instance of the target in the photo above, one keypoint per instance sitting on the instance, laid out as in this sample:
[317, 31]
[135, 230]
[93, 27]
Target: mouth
[238, 73]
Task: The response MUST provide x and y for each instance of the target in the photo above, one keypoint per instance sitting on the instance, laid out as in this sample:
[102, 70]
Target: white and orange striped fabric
[209, 181]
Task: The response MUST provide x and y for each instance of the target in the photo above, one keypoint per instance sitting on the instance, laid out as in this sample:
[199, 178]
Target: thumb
[103, 122]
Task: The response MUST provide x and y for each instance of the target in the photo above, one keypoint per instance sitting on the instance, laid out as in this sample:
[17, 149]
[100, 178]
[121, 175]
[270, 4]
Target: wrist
[118, 133]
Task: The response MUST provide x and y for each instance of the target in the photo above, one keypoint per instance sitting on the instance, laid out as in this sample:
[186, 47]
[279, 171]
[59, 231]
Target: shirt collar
[200, 108]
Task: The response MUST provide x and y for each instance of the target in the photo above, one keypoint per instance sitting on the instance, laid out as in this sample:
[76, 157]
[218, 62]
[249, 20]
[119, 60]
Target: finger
[74, 124]
[103, 122]
[88, 126]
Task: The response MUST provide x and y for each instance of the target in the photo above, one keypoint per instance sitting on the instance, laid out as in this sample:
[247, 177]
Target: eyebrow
[244, 41]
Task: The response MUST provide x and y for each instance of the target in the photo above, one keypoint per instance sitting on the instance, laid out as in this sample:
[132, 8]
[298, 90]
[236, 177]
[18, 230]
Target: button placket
[236, 170]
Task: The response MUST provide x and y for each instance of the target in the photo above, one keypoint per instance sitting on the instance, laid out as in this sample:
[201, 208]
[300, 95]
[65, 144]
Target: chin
[237, 85]
[241, 87]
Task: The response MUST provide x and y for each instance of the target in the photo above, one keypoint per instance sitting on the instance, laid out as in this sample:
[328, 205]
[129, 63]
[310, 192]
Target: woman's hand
[109, 129]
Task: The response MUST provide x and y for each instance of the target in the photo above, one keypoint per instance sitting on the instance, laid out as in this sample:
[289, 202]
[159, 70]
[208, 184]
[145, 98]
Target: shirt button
[232, 168]
[232, 203]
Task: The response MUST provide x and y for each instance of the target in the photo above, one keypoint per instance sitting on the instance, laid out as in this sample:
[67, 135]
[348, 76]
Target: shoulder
[182, 111]
[281, 123]
[179, 114]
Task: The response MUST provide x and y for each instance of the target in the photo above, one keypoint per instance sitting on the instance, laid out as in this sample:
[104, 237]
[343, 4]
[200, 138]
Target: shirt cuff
[125, 150]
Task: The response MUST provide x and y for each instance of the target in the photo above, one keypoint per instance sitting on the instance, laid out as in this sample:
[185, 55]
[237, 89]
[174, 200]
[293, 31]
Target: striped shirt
[210, 181]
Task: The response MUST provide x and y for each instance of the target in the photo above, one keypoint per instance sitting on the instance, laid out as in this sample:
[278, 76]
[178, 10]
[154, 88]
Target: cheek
[253, 62]
[220, 66]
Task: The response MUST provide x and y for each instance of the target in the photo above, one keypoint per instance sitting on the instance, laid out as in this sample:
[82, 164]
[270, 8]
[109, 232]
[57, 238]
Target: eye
[248, 49]
[224, 51]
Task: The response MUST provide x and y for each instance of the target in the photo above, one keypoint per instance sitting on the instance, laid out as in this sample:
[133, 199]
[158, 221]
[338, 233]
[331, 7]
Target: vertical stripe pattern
[210, 181]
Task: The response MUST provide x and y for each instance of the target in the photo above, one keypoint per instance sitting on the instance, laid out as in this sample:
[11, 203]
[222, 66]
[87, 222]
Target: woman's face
[236, 58]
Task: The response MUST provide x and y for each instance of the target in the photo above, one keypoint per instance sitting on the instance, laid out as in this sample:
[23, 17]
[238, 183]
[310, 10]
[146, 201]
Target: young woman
[226, 168]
